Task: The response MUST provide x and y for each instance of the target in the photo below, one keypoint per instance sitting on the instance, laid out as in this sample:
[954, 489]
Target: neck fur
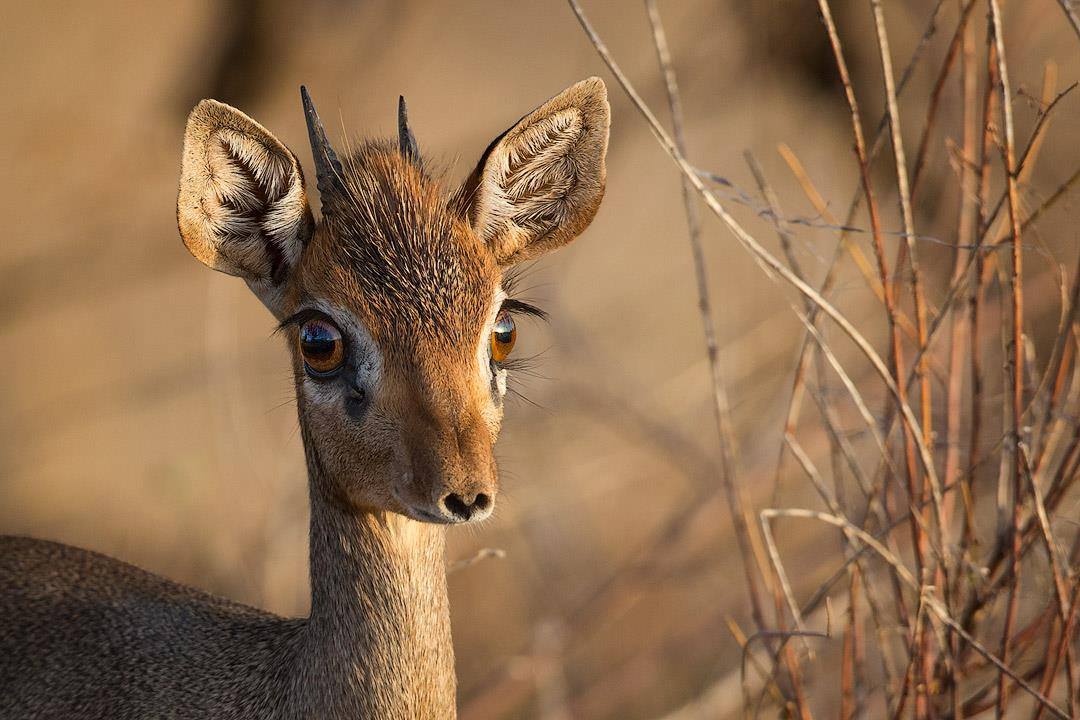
[377, 644]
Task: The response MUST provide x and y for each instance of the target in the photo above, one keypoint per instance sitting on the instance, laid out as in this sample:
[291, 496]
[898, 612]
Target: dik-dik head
[393, 302]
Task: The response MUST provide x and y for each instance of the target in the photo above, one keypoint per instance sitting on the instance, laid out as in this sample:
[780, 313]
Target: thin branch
[480, 555]
[1017, 378]
[920, 640]
[1070, 15]
[957, 42]
[721, 407]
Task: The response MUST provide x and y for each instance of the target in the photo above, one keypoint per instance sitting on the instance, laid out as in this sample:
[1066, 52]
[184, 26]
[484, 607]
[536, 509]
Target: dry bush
[948, 474]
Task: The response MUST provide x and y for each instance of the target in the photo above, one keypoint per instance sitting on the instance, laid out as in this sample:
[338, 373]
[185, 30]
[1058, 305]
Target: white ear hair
[540, 183]
[242, 208]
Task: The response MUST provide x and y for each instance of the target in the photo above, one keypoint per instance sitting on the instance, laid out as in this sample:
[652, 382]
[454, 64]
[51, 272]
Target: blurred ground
[147, 412]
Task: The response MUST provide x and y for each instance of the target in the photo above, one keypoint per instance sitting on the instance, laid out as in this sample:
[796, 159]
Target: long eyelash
[520, 368]
[525, 365]
[512, 278]
[300, 318]
[516, 393]
[520, 307]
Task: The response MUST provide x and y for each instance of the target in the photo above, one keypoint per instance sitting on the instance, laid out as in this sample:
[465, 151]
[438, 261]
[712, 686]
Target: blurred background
[147, 412]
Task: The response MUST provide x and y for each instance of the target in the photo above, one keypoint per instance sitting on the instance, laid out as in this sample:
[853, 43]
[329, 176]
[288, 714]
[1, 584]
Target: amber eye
[503, 336]
[321, 346]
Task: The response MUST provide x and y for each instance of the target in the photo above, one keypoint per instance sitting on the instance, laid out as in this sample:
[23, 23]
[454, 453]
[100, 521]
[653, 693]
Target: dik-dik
[394, 309]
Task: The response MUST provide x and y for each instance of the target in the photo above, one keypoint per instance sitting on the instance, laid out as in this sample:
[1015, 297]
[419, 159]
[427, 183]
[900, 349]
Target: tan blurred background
[147, 412]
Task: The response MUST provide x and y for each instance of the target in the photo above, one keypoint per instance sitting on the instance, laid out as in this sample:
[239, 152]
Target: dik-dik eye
[503, 335]
[322, 348]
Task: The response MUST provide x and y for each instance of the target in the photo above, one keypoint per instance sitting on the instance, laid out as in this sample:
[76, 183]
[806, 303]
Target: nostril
[465, 507]
[457, 506]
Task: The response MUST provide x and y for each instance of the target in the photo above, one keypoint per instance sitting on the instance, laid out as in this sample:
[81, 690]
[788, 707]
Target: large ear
[538, 185]
[242, 208]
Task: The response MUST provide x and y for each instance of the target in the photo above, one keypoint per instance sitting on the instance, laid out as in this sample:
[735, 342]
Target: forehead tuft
[393, 250]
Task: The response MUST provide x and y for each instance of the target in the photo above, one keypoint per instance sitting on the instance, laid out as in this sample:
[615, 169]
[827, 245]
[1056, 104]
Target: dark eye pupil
[504, 330]
[316, 341]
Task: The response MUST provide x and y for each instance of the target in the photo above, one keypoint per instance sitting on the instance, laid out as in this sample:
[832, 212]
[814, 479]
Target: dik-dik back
[86, 636]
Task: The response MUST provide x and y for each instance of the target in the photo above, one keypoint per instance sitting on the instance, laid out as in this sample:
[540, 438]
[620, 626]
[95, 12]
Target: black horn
[327, 167]
[406, 140]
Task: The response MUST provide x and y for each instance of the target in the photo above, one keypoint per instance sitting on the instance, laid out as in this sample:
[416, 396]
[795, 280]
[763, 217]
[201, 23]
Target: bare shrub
[953, 460]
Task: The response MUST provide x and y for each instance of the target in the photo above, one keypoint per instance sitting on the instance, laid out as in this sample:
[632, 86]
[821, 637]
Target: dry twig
[721, 409]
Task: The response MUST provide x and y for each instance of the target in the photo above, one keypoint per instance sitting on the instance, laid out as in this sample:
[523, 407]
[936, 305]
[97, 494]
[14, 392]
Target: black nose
[463, 507]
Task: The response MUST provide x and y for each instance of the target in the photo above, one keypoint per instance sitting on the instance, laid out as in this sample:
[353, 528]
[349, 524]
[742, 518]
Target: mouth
[430, 517]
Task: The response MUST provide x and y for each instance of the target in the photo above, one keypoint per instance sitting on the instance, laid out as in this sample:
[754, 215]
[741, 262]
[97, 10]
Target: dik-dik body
[400, 330]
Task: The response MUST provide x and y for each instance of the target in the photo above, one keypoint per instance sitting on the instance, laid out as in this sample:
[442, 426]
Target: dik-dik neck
[378, 641]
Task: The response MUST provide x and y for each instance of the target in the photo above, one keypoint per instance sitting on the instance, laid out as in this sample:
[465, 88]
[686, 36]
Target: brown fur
[411, 276]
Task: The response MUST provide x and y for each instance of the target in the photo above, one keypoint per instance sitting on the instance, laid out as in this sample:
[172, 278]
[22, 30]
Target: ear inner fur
[540, 183]
[242, 208]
